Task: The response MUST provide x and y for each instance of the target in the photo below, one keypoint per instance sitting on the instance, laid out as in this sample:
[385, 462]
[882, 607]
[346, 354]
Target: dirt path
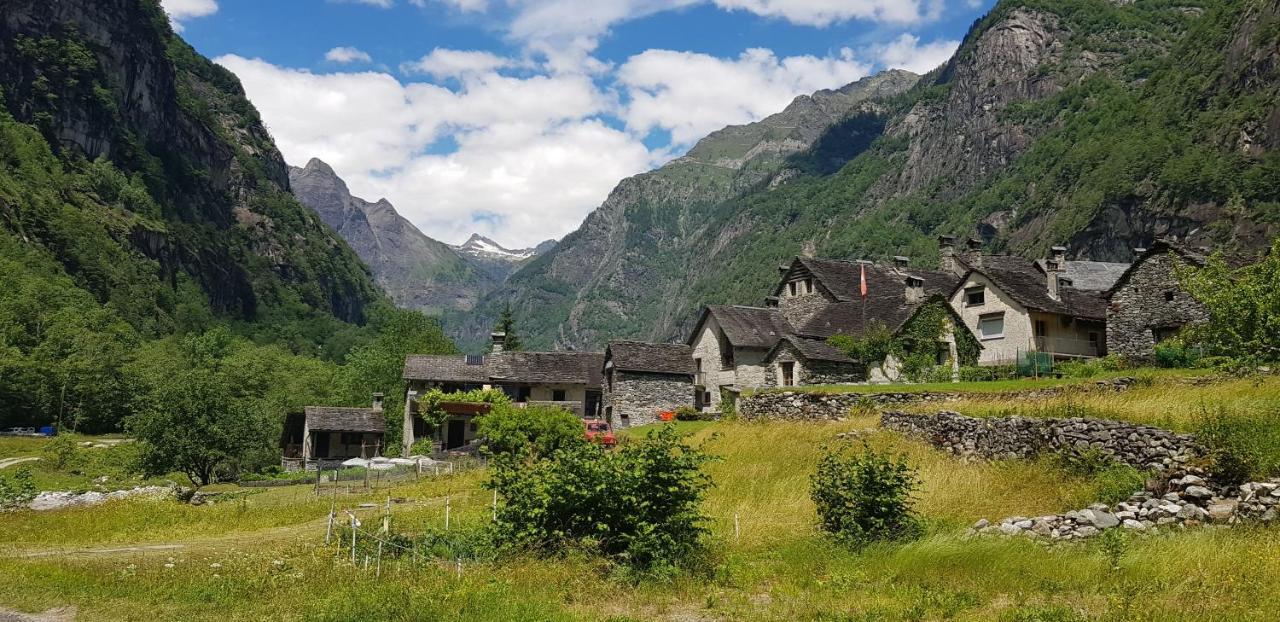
[61, 614]
[8, 462]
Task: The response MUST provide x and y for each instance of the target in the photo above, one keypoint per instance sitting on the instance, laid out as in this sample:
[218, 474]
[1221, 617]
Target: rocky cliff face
[417, 271]
[1097, 124]
[207, 192]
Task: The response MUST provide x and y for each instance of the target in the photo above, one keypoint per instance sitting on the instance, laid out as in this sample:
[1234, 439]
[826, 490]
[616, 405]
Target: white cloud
[827, 12]
[445, 63]
[532, 158]
[461, 5]
[382, 4]
[905, 52]
[344, 55]
[179, 10]
[691, 94]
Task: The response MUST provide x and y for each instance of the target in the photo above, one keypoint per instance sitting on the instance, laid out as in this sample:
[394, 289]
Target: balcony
[1066, 347]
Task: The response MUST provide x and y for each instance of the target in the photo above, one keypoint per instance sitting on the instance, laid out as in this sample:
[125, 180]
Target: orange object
[667, 416]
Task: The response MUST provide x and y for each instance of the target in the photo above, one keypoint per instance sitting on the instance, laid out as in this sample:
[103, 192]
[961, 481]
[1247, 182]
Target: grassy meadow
[261, 555]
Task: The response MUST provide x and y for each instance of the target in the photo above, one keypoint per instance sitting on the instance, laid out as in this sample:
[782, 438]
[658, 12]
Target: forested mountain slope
[141, 197]
[1091, 123]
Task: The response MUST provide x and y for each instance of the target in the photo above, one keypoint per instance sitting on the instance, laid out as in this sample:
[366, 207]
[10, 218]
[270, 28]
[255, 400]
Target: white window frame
[990, 316]
[970, 291]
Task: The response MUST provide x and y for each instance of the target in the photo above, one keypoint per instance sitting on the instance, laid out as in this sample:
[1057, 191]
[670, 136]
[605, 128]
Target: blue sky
[515, 118]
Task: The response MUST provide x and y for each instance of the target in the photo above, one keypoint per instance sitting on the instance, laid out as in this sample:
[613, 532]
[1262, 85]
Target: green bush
[1175, 353]
[16, 490]
[60, 452]
[540, 429]
[639, 506]
[865, 496]
[689, 413]
[1241, 447]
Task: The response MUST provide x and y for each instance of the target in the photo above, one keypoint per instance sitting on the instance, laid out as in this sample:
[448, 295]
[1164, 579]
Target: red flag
[864, 280]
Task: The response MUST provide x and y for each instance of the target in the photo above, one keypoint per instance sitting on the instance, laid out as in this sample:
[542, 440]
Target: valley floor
[262, 556]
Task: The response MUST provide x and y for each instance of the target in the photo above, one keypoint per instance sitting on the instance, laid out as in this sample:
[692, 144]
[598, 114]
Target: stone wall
[812, 406]
[637, 398]
[1150, 301]
[1140, 446]
[800, 308]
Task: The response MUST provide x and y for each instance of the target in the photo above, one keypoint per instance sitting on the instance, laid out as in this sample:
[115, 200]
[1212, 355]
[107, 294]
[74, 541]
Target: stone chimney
[377, 402]
[915, 290]
[1053, 268]
[947, 250]
[499, 341]
[973, 253]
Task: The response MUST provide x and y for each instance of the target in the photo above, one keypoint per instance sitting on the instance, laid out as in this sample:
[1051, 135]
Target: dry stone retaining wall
[998, 438]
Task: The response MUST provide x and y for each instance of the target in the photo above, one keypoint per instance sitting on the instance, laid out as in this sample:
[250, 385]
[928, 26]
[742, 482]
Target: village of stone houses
[640, 310]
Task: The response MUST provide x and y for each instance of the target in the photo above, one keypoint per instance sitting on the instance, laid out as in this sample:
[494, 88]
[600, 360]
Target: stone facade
[1001, 438]
[637, 398]
[748, 370]
[807, 372]
[1148, 306]
[799, 308]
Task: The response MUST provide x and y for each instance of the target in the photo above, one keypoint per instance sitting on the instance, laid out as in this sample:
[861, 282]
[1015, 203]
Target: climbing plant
[915, 344]
[433, 414]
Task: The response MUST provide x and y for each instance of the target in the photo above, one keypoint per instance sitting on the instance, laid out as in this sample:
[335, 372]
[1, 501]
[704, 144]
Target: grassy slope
[780, 568]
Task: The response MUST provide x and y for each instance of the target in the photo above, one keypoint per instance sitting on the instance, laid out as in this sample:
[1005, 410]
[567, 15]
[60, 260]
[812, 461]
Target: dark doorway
[457, 434]
[788, 374]
[591, 408]
[320, 444]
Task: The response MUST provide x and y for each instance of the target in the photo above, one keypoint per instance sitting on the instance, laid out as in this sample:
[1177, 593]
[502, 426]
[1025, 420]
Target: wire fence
[338, 479]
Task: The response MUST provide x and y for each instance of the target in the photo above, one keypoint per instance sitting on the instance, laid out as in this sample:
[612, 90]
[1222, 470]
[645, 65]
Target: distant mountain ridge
[417, 271]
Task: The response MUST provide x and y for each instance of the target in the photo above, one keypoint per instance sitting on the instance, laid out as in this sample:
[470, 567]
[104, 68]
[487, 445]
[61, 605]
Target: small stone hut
[333, 434]
[642, 380]
[1148, 305]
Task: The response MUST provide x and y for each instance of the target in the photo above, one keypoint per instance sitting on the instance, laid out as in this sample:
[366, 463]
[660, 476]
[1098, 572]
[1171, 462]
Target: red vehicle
[599, 429]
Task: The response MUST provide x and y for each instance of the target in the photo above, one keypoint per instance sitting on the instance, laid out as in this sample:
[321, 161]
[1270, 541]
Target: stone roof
[1195, 257]
[812, 350]
[843, 279]
[746, 327]
[1023, 281]
[447, 368]
[548, 367]
[661, 358]
[342, 419]
[1091, 276]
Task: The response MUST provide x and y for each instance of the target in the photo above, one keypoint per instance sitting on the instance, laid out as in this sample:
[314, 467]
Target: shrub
[864, 496]
[1240, 447]
[689, 413]
[16, 490]
[541, 429]
[60, 452]
[1175, 353]
[639, 506]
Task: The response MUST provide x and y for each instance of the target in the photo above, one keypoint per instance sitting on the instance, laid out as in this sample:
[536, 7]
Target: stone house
[331, 434]
[1148, 305]
[568, 380]
[642, 380]
[729, 344]
[1015, 305]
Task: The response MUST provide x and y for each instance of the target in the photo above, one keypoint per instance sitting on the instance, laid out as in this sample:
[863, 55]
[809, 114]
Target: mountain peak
[319, 166]
[482, 247]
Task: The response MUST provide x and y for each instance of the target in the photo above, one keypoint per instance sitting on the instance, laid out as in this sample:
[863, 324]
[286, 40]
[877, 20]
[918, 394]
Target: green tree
[507, 326]
[192, 424]
[1243, 305]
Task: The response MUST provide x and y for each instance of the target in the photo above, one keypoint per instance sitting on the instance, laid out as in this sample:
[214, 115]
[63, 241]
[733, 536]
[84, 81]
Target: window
[788, 374]
[1042, 328]
[352, 438]
[557, 395]
[808, 286]
[975, 296]
[522, 394]
[991, 326]
[791, 288]
[1168, 296]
